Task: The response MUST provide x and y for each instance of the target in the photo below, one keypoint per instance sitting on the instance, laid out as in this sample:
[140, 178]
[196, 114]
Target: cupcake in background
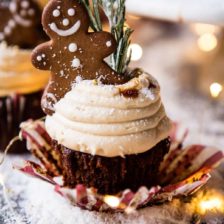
[21, 85]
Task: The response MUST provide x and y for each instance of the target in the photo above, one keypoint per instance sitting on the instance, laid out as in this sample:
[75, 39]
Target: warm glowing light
[112, 201]
[136, 50]
[207, 42]
[210, 200]
[211, 204]
[201, 28]
[215, 89]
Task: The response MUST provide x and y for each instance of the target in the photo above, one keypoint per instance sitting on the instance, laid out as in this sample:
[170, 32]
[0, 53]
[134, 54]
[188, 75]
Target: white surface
[205, 11]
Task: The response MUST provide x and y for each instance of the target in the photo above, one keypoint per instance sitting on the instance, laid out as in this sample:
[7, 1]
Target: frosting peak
[102, 120]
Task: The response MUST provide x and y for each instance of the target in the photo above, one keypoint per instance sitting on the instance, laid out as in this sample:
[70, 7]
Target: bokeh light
[137, 52]
[215, 89]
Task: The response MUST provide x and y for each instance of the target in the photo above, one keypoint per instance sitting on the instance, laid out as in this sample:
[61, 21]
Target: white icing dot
[108, 43]
[56, 13]
[44, 63]
[25, 4]
[7, 30]
[1, 36]
[39, 58]
[12, 7]
[72, 47]
[65, 22]
[43, 55]
[75, 63]
[12, 23]
[71, 12]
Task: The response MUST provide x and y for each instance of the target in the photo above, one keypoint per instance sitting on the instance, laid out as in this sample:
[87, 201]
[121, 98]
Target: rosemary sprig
[94, 23]
[115, 12]
[97, 14]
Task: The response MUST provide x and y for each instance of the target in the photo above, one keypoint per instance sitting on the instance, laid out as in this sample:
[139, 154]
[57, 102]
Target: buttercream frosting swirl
[17, 74]
[100, 120]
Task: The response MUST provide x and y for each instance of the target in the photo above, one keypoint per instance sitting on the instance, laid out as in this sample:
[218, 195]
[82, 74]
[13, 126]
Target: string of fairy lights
[208, 42]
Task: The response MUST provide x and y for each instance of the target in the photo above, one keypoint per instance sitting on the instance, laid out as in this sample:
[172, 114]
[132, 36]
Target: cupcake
[109, 127]
[21, 85]
[111, 137]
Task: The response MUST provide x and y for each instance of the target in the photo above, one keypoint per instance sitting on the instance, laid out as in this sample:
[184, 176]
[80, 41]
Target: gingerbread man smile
[65, 33]
[65, 22]
[21, 18]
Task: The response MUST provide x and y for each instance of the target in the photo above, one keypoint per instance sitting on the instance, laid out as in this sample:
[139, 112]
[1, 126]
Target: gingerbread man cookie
[72, 51]
[20, 23]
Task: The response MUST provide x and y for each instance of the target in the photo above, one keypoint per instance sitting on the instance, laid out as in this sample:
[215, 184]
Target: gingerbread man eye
[56, 13]
[12, 7]
[25, 4]
[71, 12]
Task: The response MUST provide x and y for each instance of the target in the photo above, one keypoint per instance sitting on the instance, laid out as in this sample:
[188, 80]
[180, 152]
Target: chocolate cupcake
[109, 127]
[21, 85]
[109, 140]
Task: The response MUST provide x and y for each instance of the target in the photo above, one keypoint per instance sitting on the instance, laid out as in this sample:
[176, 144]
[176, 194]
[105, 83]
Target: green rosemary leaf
[93, 22]
[97, 14]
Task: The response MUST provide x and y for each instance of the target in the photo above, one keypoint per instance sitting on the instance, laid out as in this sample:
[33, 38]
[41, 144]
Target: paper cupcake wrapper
[183, 171]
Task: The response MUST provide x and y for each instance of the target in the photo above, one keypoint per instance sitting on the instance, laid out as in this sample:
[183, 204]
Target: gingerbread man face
[24, 12]
[20, 23]
[72, 51]
[64, 19]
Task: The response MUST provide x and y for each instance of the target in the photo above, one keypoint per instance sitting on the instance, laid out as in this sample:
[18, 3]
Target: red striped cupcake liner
[184, 171]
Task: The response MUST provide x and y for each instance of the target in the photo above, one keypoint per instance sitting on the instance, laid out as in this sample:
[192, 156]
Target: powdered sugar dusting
[57, 210]
[148, 93]
[48, 207]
